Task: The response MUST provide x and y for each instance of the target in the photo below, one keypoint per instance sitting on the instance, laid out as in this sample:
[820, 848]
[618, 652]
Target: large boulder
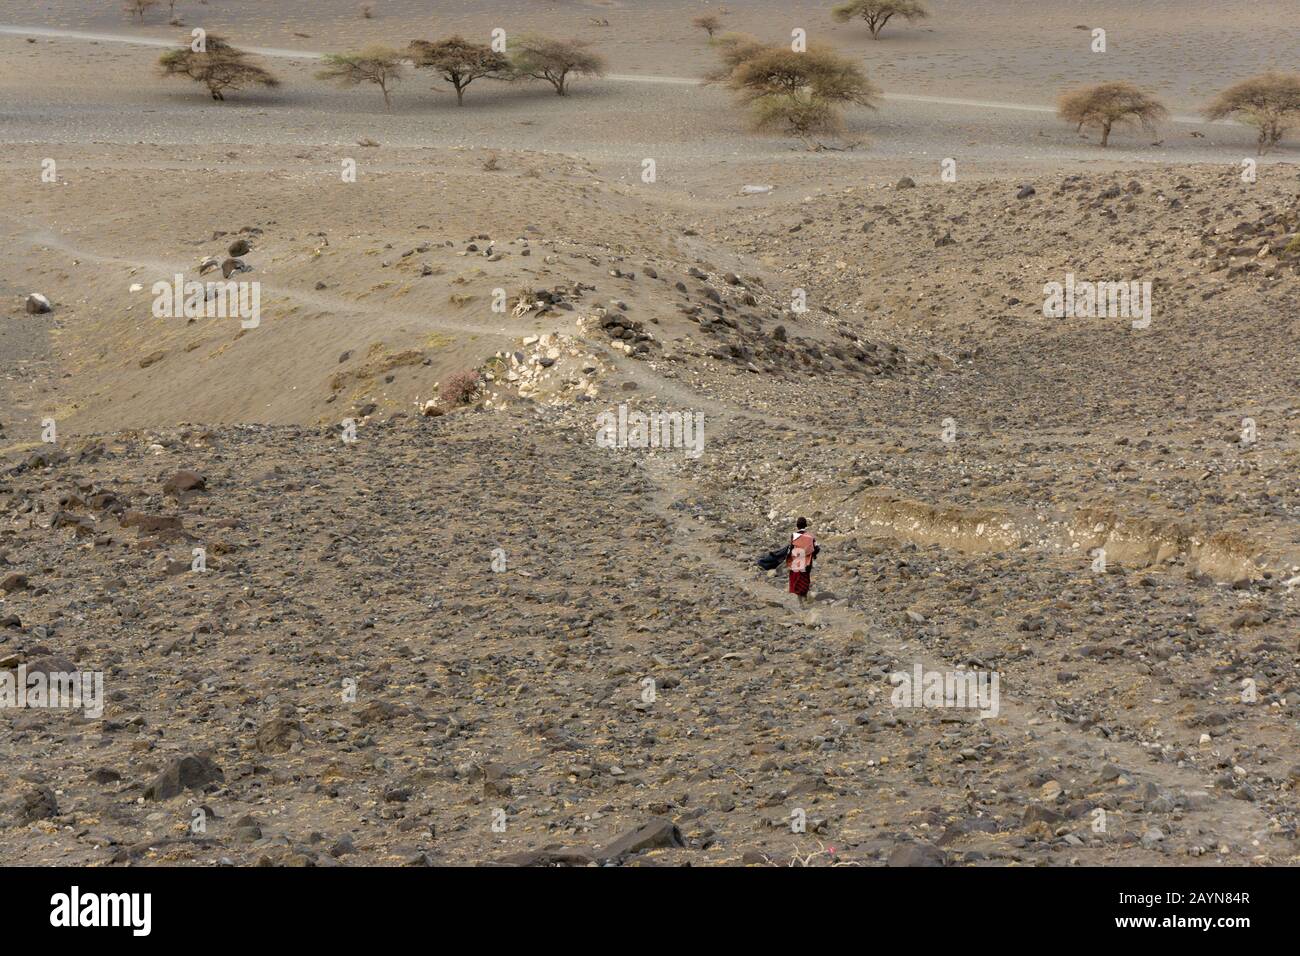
[184, 480]
[917, 854]
[34, 803]
[657, 833]
[191, 772]
[278, 735]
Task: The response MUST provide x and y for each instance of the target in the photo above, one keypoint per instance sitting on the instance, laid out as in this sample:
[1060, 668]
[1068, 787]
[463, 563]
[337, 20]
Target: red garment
[799, 561]
[800, 557]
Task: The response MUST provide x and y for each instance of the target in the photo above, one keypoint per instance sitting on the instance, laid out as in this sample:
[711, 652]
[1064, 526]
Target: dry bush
[460, 388]
[734, 49]
[879, 12]
[138, 8]
[795, 93]
[542, 58]
[800, 114]
[459, 62]
[1107, 104]
[380, 65]
[1270, 101]
[219, 67]
[710, 23]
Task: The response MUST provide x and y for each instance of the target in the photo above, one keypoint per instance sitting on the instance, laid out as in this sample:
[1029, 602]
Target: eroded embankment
[1127, 540]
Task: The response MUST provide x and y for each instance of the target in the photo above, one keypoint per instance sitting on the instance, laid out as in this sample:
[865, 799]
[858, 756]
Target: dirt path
[42, 237]
[1037, 729]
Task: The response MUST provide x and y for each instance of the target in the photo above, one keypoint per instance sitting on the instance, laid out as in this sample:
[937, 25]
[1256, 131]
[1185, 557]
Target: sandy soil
[990, 49]
[357, 678]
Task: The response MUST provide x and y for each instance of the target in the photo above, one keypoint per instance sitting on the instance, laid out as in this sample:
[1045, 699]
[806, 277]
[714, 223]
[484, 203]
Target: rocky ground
[475, 636]
[345, 618]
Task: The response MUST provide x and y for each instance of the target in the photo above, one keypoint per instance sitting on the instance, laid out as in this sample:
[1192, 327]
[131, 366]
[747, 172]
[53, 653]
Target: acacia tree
[138, 8]
[555, 60]
[1270, 101]
[459, 62]
[217, 65]
[796, 93]
[380, 65]
[734, 49]
[1107, 104]
[879, 12]
[710, 23]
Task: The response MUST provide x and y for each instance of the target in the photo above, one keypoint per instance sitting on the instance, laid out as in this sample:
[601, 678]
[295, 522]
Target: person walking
[799, 562]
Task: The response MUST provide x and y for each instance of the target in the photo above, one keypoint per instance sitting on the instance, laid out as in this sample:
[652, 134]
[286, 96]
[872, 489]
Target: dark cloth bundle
[774, 559]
